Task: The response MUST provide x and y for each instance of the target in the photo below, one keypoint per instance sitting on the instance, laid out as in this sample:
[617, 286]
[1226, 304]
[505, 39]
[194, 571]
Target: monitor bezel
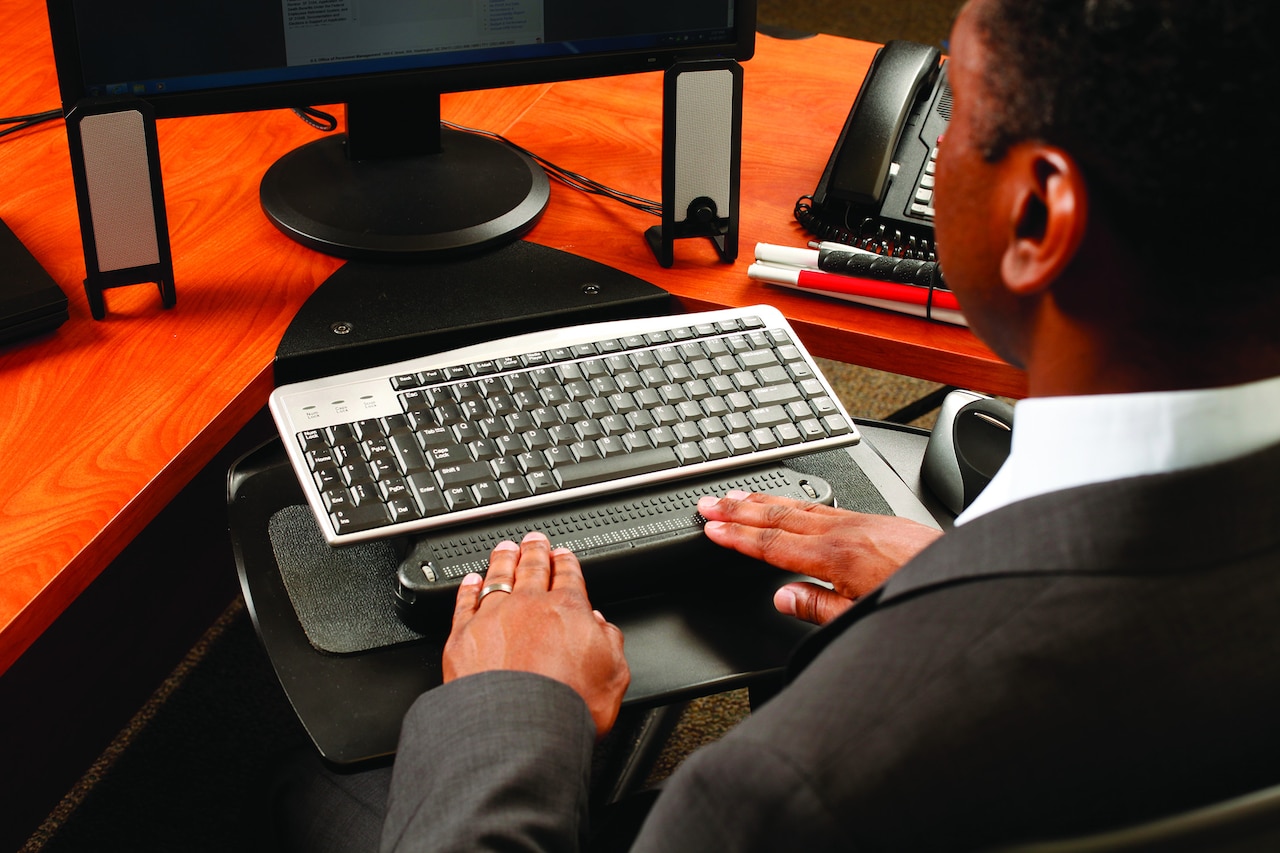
[432, 80]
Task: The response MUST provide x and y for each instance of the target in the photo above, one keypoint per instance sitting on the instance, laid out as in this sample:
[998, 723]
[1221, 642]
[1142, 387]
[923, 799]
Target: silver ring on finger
[493, 587]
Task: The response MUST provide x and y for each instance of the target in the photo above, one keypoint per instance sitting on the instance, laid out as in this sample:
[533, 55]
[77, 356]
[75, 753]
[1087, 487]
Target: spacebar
[616, 467]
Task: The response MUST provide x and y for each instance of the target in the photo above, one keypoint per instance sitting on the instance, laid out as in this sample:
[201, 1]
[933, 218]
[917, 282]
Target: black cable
[325, 122]
[21, 123]
[567, 177]
[318, 119]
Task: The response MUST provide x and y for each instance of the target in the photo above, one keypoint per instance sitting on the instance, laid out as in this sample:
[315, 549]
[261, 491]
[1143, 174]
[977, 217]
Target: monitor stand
[398, 186]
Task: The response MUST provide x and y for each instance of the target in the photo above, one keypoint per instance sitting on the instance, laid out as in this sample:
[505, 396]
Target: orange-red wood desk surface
[105, 421]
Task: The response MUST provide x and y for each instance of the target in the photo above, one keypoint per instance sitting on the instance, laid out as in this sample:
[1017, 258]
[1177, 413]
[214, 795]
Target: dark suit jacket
[1074, 661]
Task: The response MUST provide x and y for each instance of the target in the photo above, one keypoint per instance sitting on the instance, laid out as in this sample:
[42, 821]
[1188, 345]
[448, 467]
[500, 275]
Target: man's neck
[1105, 343]
[1072, 359]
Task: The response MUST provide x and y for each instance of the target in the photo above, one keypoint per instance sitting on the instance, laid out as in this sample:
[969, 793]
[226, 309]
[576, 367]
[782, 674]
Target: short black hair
[1165, 104]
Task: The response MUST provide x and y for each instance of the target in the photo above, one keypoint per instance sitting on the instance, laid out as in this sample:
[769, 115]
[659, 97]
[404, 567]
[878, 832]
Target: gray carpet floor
[177, 777]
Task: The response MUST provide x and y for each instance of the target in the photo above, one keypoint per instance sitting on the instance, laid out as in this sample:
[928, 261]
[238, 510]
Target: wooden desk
[106, 421]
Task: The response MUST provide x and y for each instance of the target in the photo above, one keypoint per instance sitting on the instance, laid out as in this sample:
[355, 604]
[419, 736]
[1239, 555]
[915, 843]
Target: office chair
[1249, 822]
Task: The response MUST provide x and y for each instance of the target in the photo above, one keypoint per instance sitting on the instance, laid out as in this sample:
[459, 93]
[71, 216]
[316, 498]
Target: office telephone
[877, 189]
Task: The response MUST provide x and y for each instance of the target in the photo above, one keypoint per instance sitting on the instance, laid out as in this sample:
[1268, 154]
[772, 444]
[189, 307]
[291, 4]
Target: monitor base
[476, 194]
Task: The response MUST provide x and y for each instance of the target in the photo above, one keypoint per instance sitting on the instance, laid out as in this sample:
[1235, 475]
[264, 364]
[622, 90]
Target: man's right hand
[854, 552]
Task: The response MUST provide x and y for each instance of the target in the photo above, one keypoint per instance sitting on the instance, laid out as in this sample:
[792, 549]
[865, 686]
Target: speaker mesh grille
[704, 138]
[118, 181]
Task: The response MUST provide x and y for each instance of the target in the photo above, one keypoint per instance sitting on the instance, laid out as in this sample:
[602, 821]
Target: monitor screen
[395, 184]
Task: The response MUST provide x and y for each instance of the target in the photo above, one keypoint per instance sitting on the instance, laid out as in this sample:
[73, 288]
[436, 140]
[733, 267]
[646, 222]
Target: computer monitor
[395, 184]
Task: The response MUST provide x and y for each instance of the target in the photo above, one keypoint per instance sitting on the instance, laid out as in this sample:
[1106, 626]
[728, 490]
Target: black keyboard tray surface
[351, 666]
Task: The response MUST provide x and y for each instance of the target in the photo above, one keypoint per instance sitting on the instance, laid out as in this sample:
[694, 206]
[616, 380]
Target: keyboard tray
[342, 599]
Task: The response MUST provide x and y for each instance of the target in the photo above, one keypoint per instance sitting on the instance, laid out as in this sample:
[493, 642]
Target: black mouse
[968, 445]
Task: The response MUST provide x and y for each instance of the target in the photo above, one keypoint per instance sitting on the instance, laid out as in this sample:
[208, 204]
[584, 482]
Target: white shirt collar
[1061, 442]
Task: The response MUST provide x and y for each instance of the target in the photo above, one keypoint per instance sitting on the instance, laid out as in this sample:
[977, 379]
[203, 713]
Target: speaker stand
[701, 157]
[115, 166]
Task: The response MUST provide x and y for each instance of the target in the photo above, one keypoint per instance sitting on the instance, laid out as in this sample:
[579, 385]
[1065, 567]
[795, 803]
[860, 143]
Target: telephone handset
[877, 189]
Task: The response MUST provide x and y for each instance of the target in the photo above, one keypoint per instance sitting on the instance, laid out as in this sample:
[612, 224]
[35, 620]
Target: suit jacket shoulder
[1071, 662]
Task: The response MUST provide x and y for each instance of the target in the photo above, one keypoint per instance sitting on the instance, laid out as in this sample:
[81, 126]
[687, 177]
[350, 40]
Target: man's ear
[1048, 216]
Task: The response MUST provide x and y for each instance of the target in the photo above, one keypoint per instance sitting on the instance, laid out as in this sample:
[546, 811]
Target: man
[1095, 644]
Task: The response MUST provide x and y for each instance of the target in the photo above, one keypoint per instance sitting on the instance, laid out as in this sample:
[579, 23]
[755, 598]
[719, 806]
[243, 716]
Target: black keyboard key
[344, 453]
[775, 394]
[715, 448]
[352, 519]
[403, 508]
[459, 498]
[611, 445]
[662, 436]
[776, 375]
[541, 482]
[369, 428]
[768, 416]
[487, 493]
[312, 439]
[689, 452]
[426, 493]
[447, 455]
[514, 487]
[559, 455]
[321, 457]
[341, 434]
[836, 425]
[757, 359]
[365, 492]
[811, 429]
[764, 439]
[465, 474]
[330, 478]
[788, 434]
[356, 470]
[823, 406]
[617, 467]
[335, 498]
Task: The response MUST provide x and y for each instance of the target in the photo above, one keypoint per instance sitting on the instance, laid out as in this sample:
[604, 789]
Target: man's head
[1164, 103]
[1115, 138]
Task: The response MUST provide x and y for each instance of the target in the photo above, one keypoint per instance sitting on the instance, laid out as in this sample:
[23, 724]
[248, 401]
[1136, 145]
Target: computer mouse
[968, 444]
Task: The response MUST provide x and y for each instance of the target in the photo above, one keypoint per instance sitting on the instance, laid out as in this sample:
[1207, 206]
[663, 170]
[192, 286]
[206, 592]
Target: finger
[773, 511]
[611, 631]
[533, 569]
[502, 566]
[566, 571]
[614, 635]
[775, 546]
[468, 599]
[810, 602]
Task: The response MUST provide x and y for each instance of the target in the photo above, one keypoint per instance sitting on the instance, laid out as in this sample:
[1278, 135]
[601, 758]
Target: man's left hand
[544, 625]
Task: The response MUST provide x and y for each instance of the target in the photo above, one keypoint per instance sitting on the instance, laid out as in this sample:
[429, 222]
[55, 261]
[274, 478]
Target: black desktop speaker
[701, 157]
[115, 162]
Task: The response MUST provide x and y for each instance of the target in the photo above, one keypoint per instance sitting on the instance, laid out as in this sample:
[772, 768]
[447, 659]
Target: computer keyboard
[541, 419]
